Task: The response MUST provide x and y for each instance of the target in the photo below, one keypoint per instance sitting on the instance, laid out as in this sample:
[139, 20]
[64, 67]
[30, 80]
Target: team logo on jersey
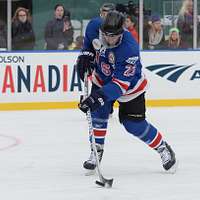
[105, 68]
[96, 44]
[132, 60]
[111, 58]
[99, 47]
[172, 72]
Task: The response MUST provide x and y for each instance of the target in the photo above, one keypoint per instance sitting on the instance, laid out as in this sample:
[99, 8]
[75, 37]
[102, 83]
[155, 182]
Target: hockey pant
[132, 117]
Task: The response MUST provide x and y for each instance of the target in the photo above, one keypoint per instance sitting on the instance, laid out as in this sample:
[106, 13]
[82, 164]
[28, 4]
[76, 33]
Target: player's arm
[85, 61]
[112, 90]
[91, 32]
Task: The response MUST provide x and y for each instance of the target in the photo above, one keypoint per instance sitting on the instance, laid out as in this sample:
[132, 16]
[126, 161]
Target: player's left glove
[93, 102]
[85, 63]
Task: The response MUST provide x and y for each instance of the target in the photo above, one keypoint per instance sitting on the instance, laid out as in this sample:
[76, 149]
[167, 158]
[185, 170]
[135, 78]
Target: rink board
[48, 80]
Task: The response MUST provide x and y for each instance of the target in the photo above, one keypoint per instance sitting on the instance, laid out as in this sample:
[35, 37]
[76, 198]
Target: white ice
[41, 156]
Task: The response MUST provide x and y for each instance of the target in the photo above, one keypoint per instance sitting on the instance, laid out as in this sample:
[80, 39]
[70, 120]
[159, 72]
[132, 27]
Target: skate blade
[174, 168]
[90, 172]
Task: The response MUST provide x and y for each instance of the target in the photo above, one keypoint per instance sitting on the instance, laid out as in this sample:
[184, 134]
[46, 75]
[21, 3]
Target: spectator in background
[59, 31]
[174, 41]
[78, 44]
[154, 37]
[105, 8]
[23, 37]
[3, 35]
[185, 22]
[130, 24]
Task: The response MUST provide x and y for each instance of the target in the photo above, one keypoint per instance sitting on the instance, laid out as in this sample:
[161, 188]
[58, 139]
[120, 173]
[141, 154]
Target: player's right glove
[93, 102]
[85, 63]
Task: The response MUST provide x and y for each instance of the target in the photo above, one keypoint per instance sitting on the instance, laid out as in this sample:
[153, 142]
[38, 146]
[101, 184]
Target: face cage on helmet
[111, 34]
[104, 43]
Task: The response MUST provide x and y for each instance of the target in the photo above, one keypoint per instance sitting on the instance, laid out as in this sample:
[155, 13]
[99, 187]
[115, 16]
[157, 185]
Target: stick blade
[105, 183]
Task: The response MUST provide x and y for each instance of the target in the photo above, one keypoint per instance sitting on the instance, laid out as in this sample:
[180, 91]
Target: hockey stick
[103, 181]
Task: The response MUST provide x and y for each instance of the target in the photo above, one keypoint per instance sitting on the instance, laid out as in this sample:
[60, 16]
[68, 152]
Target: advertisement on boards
[27, 77]
[36, 77]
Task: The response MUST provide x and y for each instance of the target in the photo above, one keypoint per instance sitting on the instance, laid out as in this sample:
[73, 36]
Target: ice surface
[41, 156]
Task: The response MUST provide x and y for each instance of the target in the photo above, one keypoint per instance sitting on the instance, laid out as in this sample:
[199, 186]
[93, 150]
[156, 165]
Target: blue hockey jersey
[118, 70]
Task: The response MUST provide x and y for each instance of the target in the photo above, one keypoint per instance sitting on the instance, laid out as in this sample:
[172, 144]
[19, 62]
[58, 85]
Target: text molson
[38, 78]
[12, 59]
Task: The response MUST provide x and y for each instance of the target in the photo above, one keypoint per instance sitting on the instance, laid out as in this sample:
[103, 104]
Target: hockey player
[118, 75]
[92, 30]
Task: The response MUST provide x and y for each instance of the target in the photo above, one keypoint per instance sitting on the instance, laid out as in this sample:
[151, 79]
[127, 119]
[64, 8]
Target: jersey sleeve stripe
[139, 88]
[96, 79]
[122, 84]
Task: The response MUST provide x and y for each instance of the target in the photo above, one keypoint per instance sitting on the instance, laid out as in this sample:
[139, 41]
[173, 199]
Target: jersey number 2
[130, 70]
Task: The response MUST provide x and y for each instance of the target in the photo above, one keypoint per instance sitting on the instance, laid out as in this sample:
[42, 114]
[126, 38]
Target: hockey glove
[85, 63]
[93, 102]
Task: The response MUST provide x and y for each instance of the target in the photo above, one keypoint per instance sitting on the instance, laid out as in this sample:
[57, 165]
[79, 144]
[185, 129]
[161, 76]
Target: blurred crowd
[179, 37]
[59, 32]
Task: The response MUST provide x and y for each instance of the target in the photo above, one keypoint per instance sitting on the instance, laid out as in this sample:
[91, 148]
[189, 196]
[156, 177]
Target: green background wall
[42, 11]
[80, 9]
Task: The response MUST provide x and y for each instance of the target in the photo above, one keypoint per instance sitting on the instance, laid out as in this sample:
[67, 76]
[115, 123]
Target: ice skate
[90, 164]
[168, 158]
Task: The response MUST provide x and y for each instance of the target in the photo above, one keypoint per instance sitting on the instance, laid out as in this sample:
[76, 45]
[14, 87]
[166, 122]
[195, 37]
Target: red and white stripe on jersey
[156, 141]
[122, 84]
[138, 89]
[128, 95]
[96, 80]
[99, 133]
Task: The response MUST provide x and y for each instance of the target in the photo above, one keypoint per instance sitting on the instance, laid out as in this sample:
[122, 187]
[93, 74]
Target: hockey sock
[99, 135]
[144, 131]
[99, 129]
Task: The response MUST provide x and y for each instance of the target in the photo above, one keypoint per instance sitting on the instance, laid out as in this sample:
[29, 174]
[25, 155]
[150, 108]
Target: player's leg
[132, 116]
[99, 123]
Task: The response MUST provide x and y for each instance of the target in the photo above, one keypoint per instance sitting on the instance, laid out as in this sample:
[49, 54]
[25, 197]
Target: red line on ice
[15, 142]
